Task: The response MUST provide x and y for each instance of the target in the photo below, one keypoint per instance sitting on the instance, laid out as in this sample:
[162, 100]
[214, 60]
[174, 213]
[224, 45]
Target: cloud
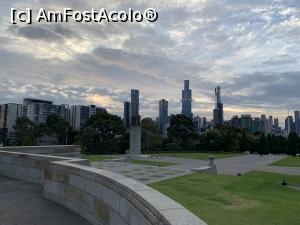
[249, 48]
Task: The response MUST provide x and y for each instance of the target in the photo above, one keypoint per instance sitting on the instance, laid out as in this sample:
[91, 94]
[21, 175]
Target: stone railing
[101, 197]
[56, 150]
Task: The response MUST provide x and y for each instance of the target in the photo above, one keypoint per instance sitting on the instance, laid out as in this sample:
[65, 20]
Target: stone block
[33, 172]
[111, 198]
[77, 181]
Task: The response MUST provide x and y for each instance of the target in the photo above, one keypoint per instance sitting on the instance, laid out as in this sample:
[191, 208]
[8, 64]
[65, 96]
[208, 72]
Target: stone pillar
[135, 124]
[135, 140]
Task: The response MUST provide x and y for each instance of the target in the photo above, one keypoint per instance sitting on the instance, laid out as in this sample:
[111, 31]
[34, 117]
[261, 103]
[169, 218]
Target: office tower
[135, 127]
[246, 122]
[198, 122]
[126, 115]
[289, 124]
[38, 110]
[80, 114]
[270, 125]
[218, 111]
[276, 123]
[8, 116]
[263, 124]
[297, 122]
[93, 109]
[255, 125]
[235, 121]
[163, 117]
[186, 99]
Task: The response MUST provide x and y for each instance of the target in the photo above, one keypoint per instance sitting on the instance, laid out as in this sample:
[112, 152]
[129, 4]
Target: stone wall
[102, 197]
[56, 150]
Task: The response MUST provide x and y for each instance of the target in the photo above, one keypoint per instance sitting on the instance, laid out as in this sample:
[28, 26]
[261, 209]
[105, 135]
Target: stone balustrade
[101, 197]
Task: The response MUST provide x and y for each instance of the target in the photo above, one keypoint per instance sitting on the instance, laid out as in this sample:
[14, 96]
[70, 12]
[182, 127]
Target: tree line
[105, 133]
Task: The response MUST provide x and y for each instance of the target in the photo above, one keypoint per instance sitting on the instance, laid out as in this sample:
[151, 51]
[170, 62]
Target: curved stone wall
[102, 197]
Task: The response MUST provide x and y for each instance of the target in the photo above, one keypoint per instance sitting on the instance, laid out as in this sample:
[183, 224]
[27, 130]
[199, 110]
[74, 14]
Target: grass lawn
[288, 162]
[200, 155]
[96, 158]
[256, 198]
[153, 163]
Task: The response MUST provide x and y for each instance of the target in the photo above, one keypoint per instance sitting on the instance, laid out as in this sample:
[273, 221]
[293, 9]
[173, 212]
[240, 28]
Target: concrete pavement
[22, 203]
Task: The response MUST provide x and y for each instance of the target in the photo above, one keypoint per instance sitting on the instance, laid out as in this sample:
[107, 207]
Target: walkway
[21, 203]
[233, 165]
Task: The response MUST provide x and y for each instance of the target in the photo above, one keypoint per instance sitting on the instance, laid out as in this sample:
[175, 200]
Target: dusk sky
[248, 47]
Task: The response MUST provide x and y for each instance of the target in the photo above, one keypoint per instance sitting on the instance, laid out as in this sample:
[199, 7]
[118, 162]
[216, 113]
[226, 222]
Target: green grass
[256, 198]
[96, 158]
[200, 155]
[288, 162]
[153, 163]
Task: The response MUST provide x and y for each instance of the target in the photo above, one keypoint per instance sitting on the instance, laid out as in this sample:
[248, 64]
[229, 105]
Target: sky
[250, 48]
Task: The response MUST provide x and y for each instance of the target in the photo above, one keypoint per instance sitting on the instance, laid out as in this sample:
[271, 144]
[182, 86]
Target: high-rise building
[8, 116]
[263, 124]
[198, 122]
[126, 115]
[218, 111]
[38, 110]
[276, 123]
[246, 122]
[80, 114]
[297, 122]
[289, 124]
[163, 116]
[235, 121]
[270, 125]
[255, 125]
[186, 99]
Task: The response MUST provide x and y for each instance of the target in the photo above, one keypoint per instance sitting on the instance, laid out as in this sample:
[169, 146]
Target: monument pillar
[135, 124]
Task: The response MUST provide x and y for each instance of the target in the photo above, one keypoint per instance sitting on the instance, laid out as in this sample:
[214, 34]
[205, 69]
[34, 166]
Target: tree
[58, 127]
[103, 134]
[181, 130]
[151, 137]
[263, 145]
[27, 131]
[292, 144]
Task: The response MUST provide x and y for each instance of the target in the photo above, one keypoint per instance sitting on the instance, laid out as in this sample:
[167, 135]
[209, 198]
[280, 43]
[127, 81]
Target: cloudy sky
[248, 47]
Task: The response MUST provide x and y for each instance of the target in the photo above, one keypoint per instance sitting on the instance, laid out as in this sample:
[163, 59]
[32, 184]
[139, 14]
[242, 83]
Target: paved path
[143, 173]
[233, 165]
[21, 203]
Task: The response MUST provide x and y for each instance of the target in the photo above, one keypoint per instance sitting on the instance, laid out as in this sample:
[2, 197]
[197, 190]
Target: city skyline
[248, 48]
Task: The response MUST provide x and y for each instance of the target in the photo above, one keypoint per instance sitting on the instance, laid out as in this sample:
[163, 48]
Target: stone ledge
[100, 196]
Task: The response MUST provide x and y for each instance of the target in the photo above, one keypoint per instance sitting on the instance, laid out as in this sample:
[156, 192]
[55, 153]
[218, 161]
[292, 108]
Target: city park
[225, 176]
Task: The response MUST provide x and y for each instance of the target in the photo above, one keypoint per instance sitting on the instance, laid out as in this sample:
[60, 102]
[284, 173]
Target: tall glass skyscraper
[126, 115]
[186, 99]
[163, 116]
[218, 111]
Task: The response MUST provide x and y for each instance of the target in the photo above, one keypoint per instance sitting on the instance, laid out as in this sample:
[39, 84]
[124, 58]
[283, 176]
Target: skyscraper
[218, 111]
[8, 116]
[80, 114]
[276, 123]
[163, 116]
[246, 121]
[289, 124]
[297, 122]
[186, 99]
[126, 115]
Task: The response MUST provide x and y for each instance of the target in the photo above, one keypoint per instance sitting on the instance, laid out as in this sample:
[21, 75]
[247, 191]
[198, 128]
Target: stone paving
[144, 173]
[22, 203]
[228, 166]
